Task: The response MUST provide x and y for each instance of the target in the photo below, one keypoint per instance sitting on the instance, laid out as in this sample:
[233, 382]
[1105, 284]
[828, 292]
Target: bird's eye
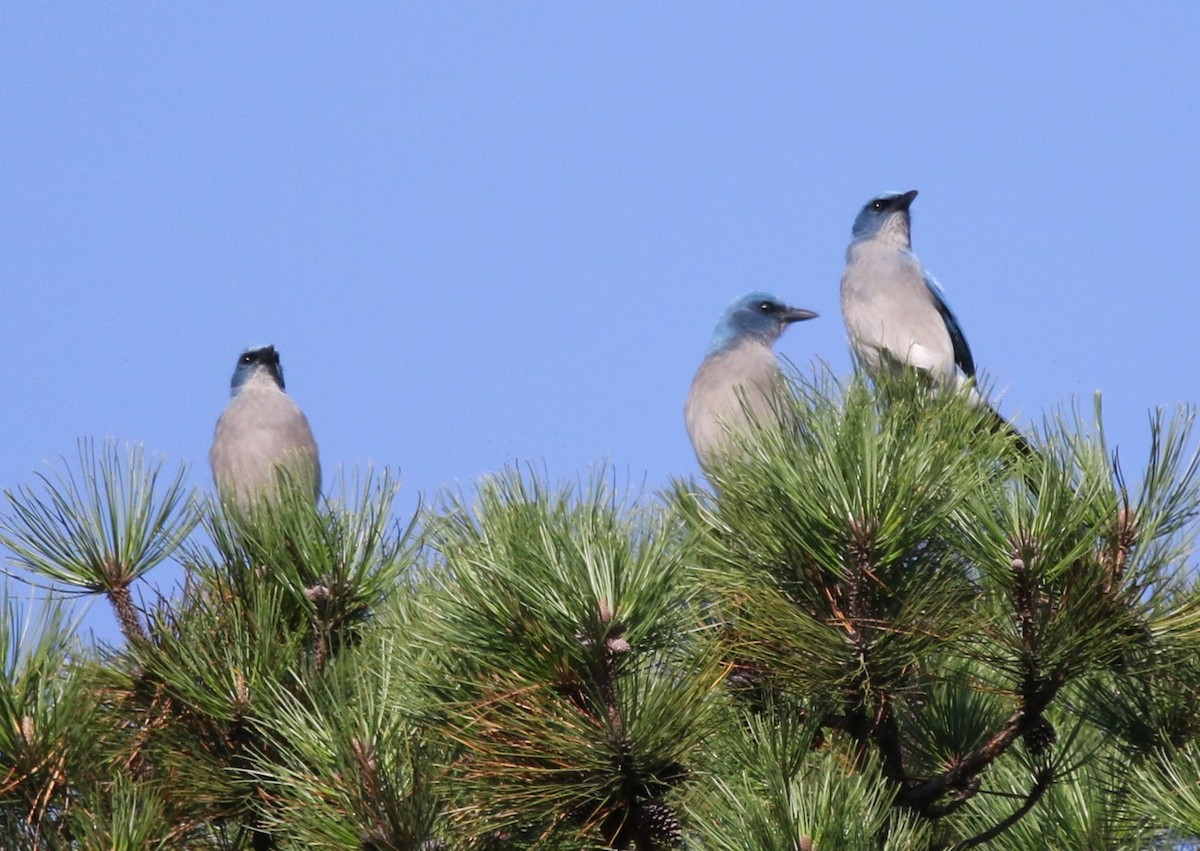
[246, 359]
[878, 205]
[766, 307]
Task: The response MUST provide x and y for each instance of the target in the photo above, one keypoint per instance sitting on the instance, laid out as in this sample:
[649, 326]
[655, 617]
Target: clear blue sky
[480, 232]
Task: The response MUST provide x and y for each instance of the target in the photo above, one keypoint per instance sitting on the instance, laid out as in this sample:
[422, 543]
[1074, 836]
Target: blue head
[755, 315]
[252, 361]
[886, 216]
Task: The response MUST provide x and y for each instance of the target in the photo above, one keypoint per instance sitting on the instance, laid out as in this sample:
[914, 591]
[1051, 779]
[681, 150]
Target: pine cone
[660, 822]
[1040, 737]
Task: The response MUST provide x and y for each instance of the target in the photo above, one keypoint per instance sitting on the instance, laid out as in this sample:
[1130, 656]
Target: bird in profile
[896, 313]
[262, 433]
[740, 376]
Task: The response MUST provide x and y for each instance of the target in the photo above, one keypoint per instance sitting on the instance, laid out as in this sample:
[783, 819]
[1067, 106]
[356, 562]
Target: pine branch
[1041, 783]
[127, 613]
[102, 528]
[575, 697]
[1035, 695]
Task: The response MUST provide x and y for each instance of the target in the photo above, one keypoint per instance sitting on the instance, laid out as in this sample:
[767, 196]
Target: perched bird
[896, 312]
[739, 375]
[261, 431]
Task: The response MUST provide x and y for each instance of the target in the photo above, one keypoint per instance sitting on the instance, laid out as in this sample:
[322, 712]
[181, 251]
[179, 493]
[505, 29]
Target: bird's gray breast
[729, 388]
[890, 314]
[259, 431]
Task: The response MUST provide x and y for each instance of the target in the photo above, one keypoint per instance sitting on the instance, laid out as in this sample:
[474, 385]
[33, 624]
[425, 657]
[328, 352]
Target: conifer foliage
[879, 627]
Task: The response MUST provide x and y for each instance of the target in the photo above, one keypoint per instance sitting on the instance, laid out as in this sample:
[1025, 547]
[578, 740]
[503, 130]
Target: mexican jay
[740, 375]
[896, 313]
[261, 430]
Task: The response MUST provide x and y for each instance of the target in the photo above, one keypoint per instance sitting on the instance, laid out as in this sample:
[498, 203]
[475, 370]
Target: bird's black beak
[905, 200]
[796, 314]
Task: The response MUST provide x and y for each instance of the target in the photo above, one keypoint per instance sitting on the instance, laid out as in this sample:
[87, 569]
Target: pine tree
[879, 627]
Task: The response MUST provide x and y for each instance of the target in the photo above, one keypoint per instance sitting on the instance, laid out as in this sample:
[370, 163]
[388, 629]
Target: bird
[261, 432]
[896, 313]
[740, 376]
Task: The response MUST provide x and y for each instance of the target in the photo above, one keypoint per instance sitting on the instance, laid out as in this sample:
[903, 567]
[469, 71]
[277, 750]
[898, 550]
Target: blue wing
[962, 352]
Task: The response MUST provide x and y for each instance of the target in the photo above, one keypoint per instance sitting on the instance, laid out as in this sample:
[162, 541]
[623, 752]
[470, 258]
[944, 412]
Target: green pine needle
[102, 526]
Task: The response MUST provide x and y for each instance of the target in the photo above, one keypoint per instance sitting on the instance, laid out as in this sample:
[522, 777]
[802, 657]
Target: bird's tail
[999, 425]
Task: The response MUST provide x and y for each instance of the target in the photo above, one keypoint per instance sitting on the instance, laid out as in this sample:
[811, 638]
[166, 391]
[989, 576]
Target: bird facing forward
[262, 433]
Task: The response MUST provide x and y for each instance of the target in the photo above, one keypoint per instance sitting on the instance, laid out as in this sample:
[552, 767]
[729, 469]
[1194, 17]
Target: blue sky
[486, 232]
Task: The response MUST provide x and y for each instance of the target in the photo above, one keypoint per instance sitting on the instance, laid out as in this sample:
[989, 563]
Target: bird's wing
[962, 351]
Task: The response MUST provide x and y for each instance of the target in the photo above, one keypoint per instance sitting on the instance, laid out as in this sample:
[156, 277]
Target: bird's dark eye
[766, 307]
[878, 205]
[246, 359]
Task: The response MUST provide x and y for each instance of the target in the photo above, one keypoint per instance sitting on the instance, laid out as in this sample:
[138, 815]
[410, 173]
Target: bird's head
[886, 216]
[756, 315]
[254, 361]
